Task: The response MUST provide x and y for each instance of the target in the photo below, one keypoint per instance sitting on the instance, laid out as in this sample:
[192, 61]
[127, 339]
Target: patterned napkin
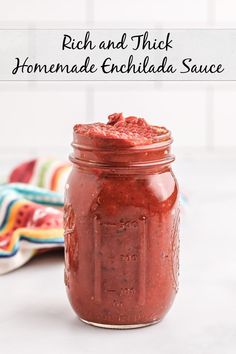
[29, 221]
[31, 218]
[46, 173]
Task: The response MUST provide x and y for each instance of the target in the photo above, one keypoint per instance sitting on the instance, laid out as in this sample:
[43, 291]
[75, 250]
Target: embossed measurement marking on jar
[127, 291]
[132, 269]
[122, 291]
[128, 257]
[97, 257]
[142, 260]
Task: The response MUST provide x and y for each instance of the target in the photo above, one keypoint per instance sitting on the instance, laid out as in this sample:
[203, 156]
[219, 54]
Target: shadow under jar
[121, 232]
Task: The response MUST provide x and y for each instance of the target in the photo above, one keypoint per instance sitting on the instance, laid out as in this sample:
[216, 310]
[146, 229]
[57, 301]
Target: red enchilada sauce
[121, 223]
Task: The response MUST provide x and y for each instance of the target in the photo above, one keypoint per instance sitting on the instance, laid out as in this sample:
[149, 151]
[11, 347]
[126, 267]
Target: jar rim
[109, 153]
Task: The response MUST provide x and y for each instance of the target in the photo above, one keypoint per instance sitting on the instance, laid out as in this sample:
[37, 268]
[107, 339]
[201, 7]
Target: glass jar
[121, 232]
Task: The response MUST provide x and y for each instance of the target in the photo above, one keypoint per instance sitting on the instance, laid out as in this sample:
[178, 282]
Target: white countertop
[35, 315]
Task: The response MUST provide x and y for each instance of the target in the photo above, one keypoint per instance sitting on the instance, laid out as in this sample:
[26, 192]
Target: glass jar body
[121, 245]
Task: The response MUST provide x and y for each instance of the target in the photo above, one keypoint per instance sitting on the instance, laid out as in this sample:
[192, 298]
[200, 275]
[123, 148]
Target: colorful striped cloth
[46, 173]
[30, 220]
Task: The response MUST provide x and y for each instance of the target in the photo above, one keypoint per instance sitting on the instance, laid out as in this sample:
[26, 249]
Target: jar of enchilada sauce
[121, 222]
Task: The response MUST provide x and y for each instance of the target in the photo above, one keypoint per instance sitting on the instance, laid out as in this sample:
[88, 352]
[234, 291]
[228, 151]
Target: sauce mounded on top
[130, 131]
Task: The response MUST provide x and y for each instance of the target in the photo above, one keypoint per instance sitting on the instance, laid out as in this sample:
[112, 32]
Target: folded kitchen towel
[43, 172]
[30, 220]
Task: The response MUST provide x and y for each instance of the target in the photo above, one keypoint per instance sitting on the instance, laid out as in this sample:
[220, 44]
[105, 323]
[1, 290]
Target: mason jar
[121, 222]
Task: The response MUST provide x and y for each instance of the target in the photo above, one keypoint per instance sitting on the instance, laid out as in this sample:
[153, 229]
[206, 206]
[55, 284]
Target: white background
[37, 119]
